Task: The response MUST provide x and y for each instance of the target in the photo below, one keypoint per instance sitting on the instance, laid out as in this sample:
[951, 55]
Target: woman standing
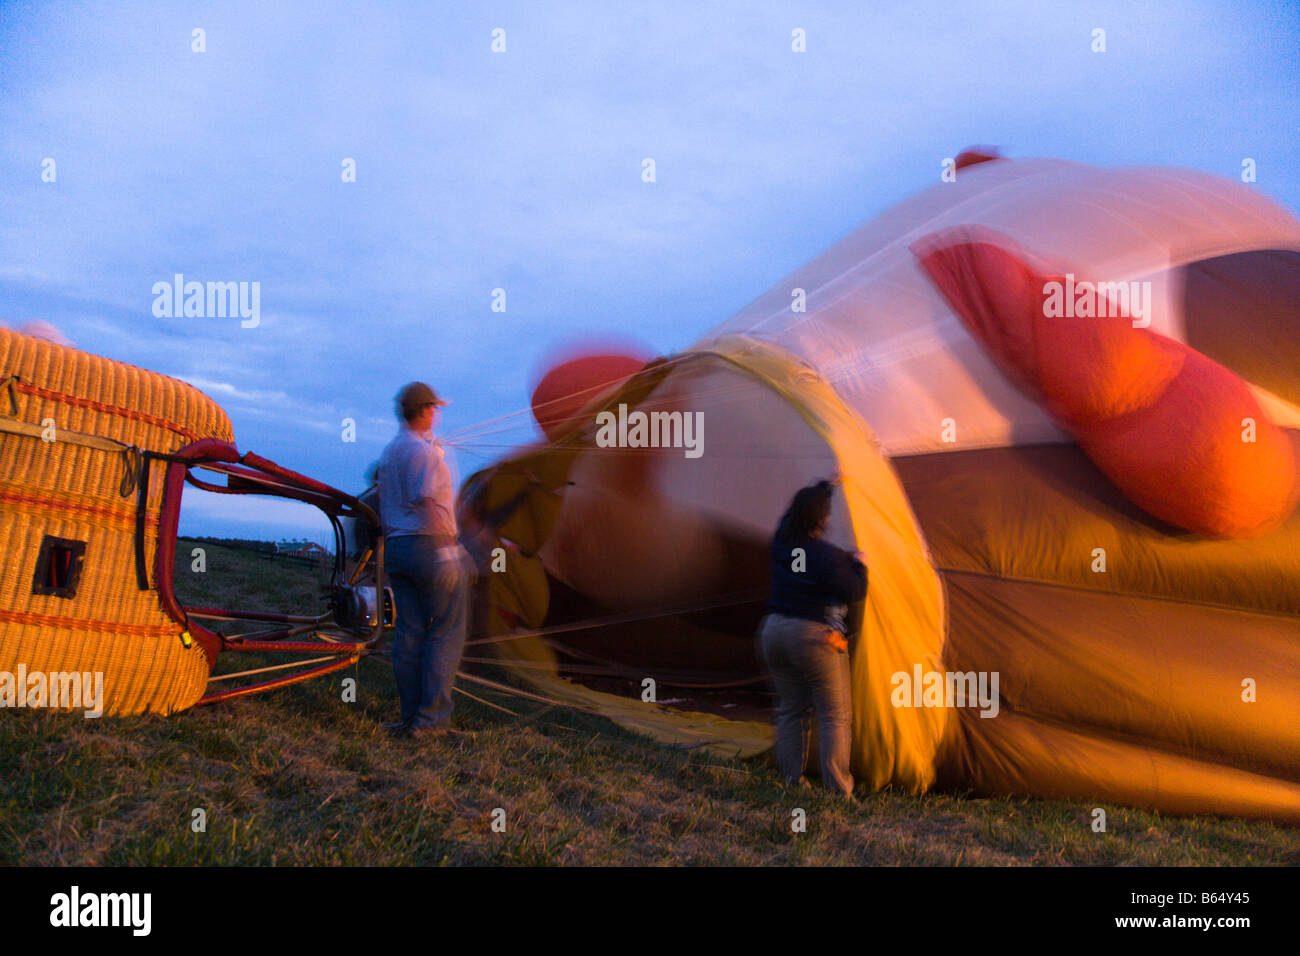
[804, 637]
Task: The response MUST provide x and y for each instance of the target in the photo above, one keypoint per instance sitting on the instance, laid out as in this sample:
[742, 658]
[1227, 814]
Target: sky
[521, 170]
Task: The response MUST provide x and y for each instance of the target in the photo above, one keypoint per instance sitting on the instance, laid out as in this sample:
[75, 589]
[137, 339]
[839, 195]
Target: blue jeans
[431, 594]
[809, 674]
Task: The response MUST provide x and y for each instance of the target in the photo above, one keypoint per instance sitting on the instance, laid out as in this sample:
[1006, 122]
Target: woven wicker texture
[66, 490]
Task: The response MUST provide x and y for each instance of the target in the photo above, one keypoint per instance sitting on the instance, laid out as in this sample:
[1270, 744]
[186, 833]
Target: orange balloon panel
[1183, 436]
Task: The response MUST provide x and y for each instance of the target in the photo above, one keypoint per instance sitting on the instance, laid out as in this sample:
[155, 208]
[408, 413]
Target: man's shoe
[398, 728]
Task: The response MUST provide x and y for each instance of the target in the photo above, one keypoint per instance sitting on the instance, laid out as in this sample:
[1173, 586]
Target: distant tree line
[244, 544]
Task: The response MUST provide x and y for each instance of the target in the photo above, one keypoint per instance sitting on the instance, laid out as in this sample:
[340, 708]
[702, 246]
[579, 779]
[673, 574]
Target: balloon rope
[274, 667]
[530, 410]
[627, 617]
[480, 431]
[485, 703]
[614, 670]
[506, 688]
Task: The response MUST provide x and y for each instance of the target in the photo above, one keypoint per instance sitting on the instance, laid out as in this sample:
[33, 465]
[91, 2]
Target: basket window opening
[58, 567]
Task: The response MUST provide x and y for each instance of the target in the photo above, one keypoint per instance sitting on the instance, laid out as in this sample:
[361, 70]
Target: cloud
[523, 170]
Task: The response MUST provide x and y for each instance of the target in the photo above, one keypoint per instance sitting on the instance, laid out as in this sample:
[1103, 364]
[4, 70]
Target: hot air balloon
[1097, 513]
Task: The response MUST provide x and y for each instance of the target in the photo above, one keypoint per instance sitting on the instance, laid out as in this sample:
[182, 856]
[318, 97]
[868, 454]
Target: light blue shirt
[415, 487]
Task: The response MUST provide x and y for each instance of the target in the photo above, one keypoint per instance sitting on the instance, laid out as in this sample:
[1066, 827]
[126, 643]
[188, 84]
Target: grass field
[300, 777]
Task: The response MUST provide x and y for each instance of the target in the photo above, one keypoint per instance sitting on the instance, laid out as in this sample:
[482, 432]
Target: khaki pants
[809, 675]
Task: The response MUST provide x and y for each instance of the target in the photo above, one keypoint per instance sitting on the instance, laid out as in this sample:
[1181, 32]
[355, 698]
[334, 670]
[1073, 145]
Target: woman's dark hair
[809, 510]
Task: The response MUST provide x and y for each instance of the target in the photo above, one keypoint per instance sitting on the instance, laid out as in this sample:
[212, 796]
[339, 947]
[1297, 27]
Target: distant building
[302, 549]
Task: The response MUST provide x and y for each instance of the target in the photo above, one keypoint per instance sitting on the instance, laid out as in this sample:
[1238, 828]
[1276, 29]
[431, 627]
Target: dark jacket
[831, 579]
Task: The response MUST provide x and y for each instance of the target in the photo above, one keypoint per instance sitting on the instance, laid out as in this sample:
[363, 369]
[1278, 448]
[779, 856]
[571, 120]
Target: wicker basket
[66, 496]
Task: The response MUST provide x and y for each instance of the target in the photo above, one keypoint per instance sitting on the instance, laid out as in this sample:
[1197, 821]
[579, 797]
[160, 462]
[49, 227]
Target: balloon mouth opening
[656, 560]
[700, 655]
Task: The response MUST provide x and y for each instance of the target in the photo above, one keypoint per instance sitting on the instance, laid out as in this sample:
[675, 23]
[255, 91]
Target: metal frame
[252, 474]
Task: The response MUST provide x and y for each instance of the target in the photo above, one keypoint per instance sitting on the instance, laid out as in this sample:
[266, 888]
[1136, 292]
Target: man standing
[425, 565]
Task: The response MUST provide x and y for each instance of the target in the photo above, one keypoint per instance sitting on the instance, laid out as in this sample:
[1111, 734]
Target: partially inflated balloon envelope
[1065, 405]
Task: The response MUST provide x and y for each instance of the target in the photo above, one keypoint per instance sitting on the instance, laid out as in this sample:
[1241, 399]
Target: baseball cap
[417, 394]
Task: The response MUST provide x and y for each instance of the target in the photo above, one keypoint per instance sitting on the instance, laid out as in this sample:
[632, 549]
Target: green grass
[300, 777]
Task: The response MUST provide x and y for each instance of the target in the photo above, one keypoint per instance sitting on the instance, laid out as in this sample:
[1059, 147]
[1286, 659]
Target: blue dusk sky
[521, 170]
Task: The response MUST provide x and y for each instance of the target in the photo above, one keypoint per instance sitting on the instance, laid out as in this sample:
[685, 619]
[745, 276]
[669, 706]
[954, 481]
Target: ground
[301, 777]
